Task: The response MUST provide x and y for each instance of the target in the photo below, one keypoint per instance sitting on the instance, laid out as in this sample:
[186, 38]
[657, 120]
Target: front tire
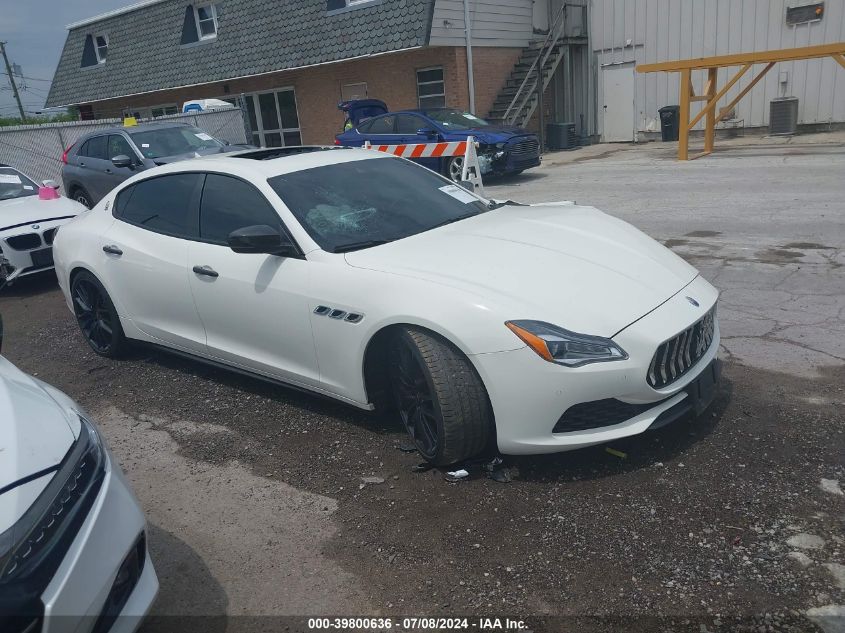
[96, 316]
[455, 168]
[440, 397]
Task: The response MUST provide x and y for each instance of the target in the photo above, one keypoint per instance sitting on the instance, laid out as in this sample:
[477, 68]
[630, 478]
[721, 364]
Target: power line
[30, 78]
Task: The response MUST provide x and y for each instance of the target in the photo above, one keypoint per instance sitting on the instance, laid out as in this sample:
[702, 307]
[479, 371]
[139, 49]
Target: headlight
[500, 145]
[563, 347]
[32, 549]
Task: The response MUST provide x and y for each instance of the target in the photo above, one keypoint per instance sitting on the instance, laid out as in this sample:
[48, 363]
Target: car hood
[208, 151]
[491, 133]
[31, 210]
[35, 434]
[569, 265]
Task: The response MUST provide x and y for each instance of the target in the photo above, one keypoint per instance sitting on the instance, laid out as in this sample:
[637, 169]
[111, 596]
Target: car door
[145, 258]
[93, 161]
[254, 306]
[119, 146]
[407, 129]
[381, 130]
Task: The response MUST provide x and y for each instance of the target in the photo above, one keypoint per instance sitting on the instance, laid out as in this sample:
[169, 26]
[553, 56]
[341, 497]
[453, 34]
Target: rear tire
[440, 397]
[82, 197]
[96, 316]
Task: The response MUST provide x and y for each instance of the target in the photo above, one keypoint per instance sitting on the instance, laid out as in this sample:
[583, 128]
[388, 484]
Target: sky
[34, 32]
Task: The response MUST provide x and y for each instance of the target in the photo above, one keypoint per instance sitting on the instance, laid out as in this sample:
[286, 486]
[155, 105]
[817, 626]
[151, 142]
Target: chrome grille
[679, 354]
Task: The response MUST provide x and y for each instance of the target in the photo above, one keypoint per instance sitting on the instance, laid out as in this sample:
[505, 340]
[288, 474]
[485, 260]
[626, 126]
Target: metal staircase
[517, 101]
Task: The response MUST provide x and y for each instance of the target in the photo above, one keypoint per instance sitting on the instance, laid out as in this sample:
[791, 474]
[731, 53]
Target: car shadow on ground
[306, 401]
[512, 180]
[645, 450]
[30, 286]
[190, 599]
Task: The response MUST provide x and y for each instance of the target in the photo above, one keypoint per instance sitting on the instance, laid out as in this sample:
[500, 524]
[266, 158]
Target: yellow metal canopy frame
[711, 95]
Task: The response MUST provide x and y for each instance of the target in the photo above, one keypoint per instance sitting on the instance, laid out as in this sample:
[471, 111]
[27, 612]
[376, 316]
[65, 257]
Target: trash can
[669, 122]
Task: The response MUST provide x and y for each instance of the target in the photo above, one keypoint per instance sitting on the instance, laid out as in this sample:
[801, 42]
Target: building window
[340, 5]
[274, 118]
[101, 47]
[431, 89]
[206, 19]
[164, 110]
[805, 13]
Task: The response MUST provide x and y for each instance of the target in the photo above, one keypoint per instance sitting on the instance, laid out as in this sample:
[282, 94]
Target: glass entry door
[273, 118]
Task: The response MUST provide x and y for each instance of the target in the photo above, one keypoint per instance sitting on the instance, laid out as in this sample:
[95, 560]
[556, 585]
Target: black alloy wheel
[96, 316]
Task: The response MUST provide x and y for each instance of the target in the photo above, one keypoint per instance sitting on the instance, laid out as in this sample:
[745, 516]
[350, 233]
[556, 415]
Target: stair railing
[542, 57]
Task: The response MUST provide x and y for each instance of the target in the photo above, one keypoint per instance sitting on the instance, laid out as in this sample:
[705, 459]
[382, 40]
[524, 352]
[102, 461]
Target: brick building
[293, 61]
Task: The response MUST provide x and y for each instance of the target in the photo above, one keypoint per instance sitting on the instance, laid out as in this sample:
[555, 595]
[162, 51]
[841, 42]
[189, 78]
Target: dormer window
[101, 47]
[206, 19]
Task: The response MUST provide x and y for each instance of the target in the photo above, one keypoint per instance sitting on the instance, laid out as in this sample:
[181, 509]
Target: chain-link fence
[37, 150]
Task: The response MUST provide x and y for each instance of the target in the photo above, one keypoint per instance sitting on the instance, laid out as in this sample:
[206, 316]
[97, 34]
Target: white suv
[72, 536]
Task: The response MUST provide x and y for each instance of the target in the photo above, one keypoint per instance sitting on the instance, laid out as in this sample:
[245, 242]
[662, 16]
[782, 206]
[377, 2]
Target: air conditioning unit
[561, 136]
[783, 116]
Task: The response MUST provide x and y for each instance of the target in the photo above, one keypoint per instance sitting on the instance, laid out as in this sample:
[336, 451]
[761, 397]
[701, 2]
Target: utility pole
[12, 80]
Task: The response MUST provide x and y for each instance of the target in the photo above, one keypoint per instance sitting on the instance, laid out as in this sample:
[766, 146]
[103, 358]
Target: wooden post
[710, 128]
[683, 116]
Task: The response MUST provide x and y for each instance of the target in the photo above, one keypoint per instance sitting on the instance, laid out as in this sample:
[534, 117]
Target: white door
[145, 262]
[254, 306]
[618, 103]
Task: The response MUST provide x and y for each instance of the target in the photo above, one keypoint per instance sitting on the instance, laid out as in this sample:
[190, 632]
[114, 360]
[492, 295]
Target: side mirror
[427, 132]
[121, 160]
[261, 238]
[468, 185]
[52, 184]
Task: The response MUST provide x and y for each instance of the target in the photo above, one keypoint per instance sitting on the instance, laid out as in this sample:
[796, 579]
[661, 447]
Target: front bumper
[77, 595]
[529, 395]
[27, 250]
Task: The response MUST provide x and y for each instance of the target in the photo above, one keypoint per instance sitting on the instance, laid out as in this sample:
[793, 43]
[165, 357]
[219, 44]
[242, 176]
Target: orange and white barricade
[471, 168]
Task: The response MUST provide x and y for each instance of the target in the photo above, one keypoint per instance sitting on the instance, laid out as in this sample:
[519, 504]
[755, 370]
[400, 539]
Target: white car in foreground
[28, 224]
[73, 549]
[370, 279]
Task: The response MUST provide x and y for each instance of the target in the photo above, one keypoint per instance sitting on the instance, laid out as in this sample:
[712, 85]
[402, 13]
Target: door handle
[205, 271]
[108, 171]
[111, 249]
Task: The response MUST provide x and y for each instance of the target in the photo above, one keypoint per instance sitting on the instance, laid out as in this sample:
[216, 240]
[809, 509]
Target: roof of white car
[274, 161]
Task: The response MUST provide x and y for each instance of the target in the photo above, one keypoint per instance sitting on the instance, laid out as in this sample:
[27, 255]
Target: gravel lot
[257, 502]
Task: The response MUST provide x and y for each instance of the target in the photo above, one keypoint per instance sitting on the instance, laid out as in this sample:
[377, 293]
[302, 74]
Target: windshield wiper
[453, 220]
[354, 246]
[492, 205]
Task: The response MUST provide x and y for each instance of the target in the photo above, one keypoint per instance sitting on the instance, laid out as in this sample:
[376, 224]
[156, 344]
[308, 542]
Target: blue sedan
[502, 149]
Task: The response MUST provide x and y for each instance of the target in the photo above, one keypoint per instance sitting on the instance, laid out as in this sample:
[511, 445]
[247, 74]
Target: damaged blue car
[502, 149]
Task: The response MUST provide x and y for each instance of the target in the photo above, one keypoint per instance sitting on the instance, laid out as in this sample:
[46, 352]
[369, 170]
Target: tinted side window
[96, 147]
[409, 124]
[229, 204]
[161, 204]
[382, 125]
[120, 146]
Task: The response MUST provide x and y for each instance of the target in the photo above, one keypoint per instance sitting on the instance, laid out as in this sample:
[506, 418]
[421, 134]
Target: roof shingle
[254, 36]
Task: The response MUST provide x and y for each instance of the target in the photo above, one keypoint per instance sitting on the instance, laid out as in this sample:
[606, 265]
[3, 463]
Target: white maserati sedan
[73, 546]
[28, 224]
[370, 279]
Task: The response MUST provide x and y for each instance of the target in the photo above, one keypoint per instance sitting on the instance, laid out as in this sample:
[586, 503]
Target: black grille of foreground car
[598, 413]
[679, 354]
[125, 582]
[24, 242]
[528, 148]
[42, 536]
[49, 234]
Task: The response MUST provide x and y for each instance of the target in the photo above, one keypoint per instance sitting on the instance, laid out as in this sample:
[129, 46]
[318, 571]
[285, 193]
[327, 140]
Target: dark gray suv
[99, 161]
